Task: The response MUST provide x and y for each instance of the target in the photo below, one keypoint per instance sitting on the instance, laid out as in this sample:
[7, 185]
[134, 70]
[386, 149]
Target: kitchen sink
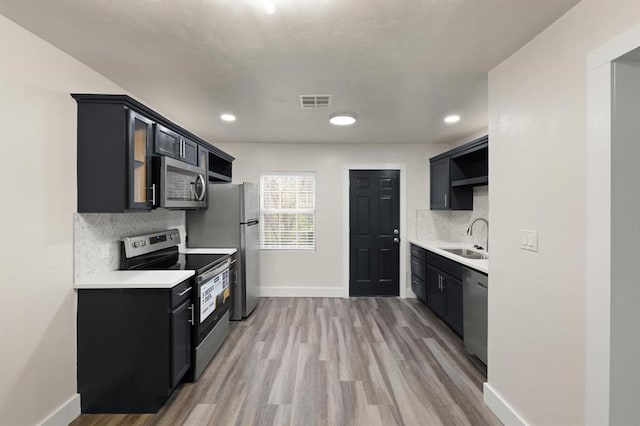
[466, 253]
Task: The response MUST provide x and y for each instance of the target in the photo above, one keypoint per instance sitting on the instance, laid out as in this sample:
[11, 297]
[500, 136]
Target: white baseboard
[501, 408]
[64, 414]
[301, 292]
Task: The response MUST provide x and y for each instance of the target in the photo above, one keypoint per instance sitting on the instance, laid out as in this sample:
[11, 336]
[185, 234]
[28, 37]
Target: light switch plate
[528, 240]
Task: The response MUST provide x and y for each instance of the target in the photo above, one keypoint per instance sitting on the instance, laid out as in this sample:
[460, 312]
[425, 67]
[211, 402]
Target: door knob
[396, 240]
[396, 232]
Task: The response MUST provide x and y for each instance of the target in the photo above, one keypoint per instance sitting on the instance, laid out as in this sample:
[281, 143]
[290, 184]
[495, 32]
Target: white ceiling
[399, 65]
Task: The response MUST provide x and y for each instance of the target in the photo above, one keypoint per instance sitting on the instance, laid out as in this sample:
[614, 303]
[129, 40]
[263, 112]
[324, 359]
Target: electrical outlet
[528, 240]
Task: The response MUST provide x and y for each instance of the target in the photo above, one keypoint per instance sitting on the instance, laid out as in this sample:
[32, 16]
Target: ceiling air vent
[315, 101]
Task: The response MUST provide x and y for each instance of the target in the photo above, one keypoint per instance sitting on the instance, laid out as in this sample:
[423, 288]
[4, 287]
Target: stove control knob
[136, 244]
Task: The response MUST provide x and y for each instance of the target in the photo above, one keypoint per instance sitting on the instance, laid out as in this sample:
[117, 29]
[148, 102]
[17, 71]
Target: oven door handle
[218, 270]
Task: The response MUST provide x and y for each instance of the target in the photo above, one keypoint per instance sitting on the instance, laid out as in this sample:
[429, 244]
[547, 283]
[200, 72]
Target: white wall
[38, 169]
[321, 272]
[537, 128]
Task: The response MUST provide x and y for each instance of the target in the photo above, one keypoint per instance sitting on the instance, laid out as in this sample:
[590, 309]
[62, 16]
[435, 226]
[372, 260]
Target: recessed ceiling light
[228, 117]
[269, 7]
[342, 119]
[451, 119]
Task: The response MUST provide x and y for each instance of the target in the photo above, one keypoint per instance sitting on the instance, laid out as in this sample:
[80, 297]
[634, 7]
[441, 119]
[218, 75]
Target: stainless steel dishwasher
[475, 288]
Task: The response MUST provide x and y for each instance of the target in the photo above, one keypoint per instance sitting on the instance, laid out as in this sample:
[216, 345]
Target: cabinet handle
[185, 292]
[445, 200]
[153, 194]
[191, 309]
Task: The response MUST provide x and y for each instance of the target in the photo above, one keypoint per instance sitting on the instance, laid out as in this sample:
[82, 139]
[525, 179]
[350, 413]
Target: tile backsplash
[97, 237]
[452, 225]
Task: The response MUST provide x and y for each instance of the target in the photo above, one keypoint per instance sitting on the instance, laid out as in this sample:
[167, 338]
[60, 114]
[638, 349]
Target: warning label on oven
[209, 292]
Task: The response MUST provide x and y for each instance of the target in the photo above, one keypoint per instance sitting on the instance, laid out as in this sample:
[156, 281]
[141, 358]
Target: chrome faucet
[470, 229]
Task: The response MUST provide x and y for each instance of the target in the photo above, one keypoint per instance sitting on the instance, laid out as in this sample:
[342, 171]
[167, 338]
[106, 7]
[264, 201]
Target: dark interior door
[374, 241]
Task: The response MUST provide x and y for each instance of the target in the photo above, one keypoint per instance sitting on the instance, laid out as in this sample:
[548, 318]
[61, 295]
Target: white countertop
[146, 279]
[436, 246]
[208, 251]
[135, 279]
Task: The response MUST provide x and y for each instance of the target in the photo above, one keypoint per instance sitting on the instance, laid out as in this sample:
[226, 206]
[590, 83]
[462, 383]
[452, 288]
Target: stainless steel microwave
[180, 185]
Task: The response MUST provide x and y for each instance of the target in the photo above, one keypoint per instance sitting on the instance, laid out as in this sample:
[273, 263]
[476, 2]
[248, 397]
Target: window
[287, 211]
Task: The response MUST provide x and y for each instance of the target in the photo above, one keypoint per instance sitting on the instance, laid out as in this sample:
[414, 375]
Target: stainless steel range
[210, 290]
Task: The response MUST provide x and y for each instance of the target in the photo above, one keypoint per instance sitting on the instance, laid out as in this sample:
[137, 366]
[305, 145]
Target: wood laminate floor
[302, 361]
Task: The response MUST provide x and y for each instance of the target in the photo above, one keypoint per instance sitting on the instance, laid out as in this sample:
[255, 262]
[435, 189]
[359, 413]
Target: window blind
[287, 211]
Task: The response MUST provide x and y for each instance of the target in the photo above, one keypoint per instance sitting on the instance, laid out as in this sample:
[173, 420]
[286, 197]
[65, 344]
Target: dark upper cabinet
[440, 184]
[172, 144]
[114, 159]
[189, 151]
[455, 173]
[167, 142]
[219, 168]
[140, 136]
[117, 139]
[203, 158]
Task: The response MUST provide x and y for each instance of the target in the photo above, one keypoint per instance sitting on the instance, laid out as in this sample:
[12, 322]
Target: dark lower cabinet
[435, 291]
[453, 303]
[444, 290]
[419, 287]
[180, 342]
[437, 282]
[134, 347]
[419, 272]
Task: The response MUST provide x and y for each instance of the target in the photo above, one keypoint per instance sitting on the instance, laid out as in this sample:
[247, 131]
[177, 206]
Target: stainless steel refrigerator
[232, 221]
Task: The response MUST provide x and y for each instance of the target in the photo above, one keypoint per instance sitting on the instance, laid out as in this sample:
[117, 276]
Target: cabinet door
[419, 287]
[453, 303]
[435, 291]
[180, 342]
[167, 142]
[440, 197]
[203, 158]
[418, 268]
[189, 151]
[139, 187]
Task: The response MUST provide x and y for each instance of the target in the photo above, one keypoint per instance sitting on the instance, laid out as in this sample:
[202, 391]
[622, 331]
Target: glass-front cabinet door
[141, 192]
